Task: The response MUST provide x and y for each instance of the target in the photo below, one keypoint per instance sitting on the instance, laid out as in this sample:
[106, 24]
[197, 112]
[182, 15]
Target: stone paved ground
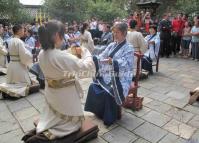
[165, 117]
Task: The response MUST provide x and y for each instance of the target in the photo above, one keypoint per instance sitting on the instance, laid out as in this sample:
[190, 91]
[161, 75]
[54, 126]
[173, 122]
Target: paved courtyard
[165, 117]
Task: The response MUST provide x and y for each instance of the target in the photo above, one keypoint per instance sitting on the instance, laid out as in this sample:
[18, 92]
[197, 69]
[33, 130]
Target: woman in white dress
[63, 113]
[86, 38]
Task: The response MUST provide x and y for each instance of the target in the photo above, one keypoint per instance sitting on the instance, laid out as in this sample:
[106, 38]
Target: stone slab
[147, 100]
[7, 126]
[169, 138]
[130, 122]
[102, 128]
[160, 89]
[176, 94]
[146, 85]
[158, 106]
[119, 135]
[192, 109]
[36, 97]
[139, 113]
[180, 115]
[2, 106]
[156, 118]
[181, 140]
[25, 113]
[18, 105]
[143, 91]
[194, 122]
[179, 103]
[6, 116]
[158, 96]
[39, 105]
[97, 140]
[140, 140]
[195, 137]
[27, 124]
[150, 132]
[180, 129]
[12, 137]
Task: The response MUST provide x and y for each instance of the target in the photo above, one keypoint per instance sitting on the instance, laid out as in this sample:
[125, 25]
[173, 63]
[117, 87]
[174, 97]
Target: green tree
[80, 10]
[188, 6]
[67, 10]
[106, 11]
[13, 11]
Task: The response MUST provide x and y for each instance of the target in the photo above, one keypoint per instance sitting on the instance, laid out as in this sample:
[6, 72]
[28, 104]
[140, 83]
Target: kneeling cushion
[87, 132]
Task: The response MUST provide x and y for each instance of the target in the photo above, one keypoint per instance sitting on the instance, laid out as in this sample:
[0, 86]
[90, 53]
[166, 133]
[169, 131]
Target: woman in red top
[177, 28]
[147, 21]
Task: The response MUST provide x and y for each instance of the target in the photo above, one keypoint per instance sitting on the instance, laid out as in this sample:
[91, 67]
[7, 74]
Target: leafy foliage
[80, 10]
[67, 10]
[12, 9]
[188, 6]
[106, 11]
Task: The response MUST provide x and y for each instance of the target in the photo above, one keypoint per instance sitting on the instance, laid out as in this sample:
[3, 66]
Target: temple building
[149, 5]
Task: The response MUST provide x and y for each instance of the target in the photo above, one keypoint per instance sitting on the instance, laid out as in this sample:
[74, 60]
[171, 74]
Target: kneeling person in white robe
[63, 114]
[17, 79]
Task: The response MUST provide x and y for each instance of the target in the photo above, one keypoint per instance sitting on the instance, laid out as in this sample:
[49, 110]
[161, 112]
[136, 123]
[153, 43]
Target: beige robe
[56, 65]
[20, 58]
[3, 53]
[137, 40]
[87, 41]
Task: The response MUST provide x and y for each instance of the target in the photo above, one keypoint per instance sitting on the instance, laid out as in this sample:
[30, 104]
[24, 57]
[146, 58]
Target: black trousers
[176, 41]
[165, 47]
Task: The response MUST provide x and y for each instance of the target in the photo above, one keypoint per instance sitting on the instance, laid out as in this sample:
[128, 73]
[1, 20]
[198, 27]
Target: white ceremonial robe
[56, 65]
[153, 50]
[87, 41]
[3, 53]
[20, 58]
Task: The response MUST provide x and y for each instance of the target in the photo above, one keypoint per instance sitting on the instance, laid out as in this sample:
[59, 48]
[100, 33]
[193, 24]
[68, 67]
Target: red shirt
[177, 26]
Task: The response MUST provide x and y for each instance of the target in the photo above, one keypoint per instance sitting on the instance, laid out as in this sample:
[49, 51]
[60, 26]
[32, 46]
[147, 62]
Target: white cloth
[57, 64]
[87, 41]
[20, 57]
[14, 90]
[93, 25]
[18, 89]
[151, 51]
[3, 52]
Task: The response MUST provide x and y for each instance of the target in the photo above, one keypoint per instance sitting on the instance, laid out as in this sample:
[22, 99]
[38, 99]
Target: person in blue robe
[152, 54]
[114, 68]
[30, 40]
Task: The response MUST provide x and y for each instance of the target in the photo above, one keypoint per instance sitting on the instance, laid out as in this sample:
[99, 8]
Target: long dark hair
[84, 27]
[47, 33]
